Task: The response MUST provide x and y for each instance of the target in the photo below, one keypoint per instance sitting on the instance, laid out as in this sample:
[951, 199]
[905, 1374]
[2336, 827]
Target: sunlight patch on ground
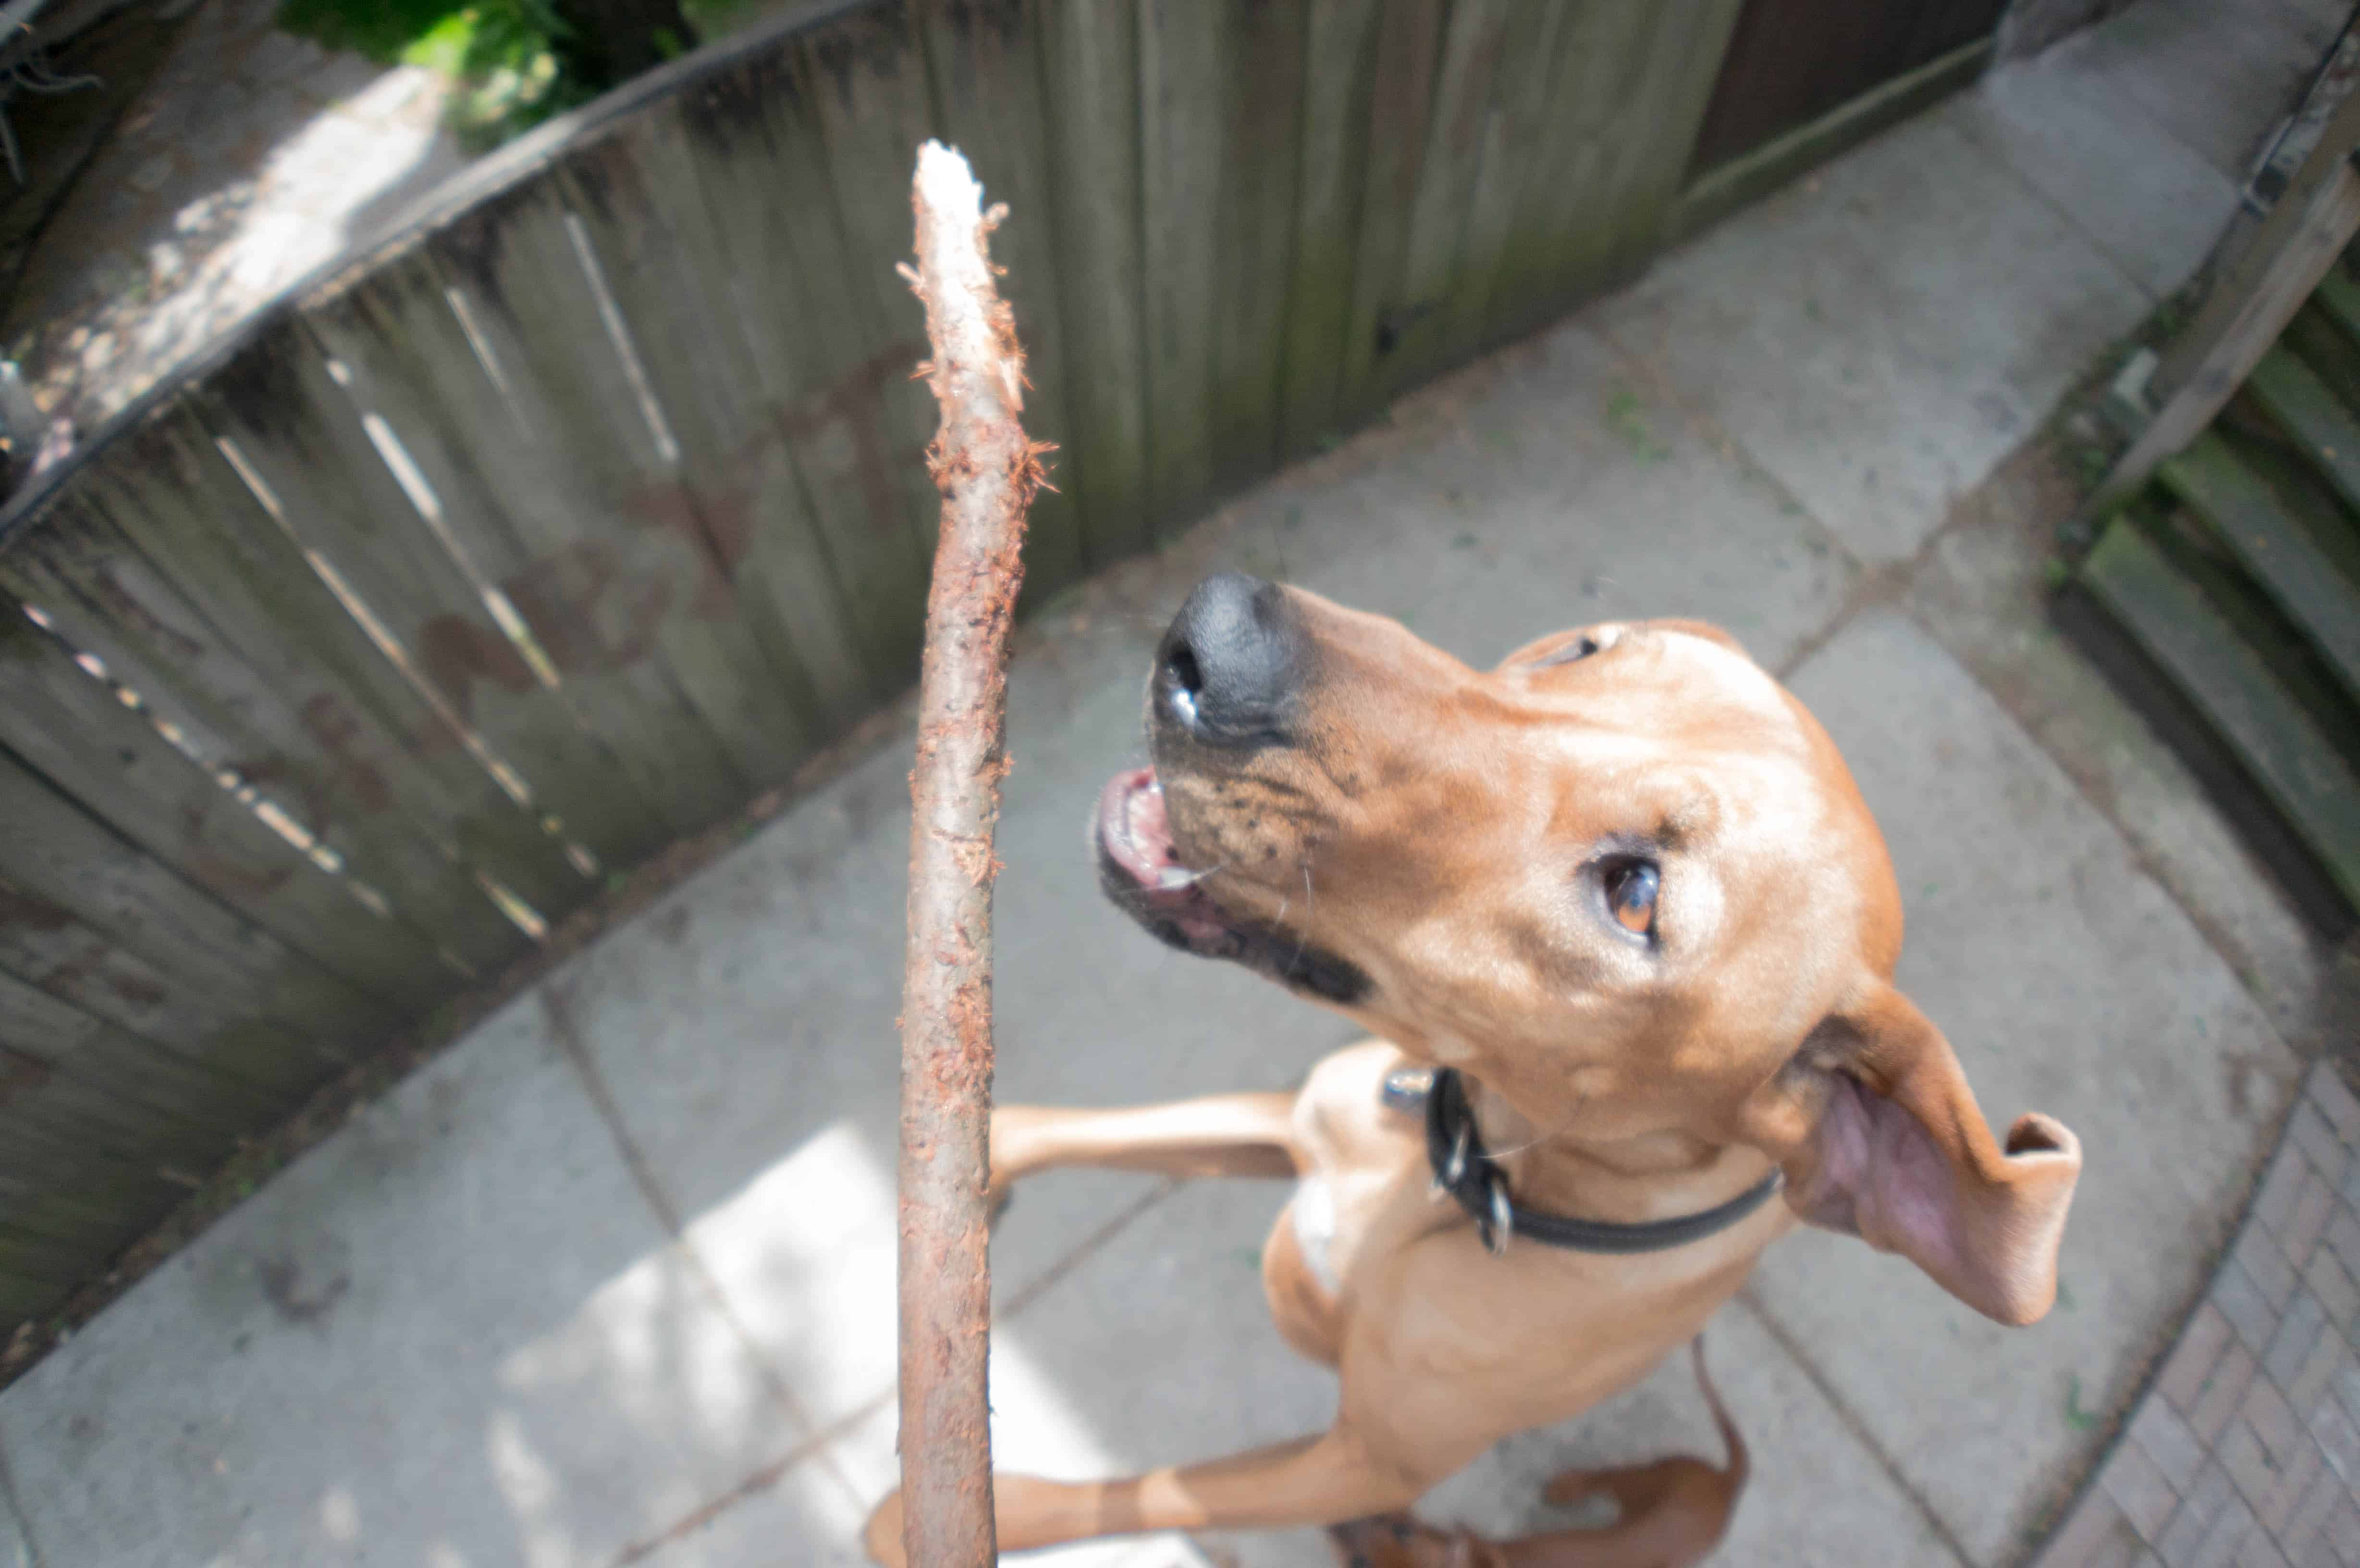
[804, 1253]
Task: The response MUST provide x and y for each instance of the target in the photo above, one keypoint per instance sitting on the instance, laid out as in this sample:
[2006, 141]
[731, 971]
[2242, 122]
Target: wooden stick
[988, 473]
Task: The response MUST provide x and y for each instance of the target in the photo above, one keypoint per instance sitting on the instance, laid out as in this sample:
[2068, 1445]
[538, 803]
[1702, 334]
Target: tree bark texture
[987, 471]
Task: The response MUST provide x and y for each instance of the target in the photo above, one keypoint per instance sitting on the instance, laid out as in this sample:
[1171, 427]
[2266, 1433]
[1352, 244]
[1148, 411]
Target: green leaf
[2076, 1417]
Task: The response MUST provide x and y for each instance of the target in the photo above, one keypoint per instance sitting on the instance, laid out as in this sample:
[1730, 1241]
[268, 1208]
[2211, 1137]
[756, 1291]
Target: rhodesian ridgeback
[1625, 933]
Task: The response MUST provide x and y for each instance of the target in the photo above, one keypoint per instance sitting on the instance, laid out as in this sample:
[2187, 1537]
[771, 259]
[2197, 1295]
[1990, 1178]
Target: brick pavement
[2244, 1452]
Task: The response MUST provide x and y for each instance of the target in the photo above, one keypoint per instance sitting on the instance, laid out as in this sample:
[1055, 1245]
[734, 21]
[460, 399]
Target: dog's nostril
[1186, 676]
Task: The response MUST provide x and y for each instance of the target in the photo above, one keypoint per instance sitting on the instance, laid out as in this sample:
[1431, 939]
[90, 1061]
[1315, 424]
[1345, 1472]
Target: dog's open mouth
[1140, 869]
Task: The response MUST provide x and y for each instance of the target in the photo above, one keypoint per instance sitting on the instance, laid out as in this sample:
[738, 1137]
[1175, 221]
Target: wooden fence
[560, 524]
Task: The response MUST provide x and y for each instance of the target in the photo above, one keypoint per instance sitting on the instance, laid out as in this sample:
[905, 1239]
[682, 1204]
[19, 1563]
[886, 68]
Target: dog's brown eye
[1581, 646]
[1631, 890]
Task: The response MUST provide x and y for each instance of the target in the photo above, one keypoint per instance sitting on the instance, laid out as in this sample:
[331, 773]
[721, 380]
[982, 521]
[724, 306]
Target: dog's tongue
[1132, 826]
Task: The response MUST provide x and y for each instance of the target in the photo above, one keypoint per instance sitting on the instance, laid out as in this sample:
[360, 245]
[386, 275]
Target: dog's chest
[1357, 1153]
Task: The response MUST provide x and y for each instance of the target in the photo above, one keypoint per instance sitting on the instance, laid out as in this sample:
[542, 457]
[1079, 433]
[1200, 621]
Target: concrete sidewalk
[611, 1280]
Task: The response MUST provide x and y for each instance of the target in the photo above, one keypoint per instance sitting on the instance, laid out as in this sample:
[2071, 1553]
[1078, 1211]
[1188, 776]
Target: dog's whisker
[1310, 907]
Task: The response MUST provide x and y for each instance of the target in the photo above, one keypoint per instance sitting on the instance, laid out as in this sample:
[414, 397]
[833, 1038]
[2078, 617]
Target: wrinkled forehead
[1662, 677]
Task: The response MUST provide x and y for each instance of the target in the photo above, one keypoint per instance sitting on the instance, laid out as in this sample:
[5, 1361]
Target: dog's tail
[1740, 1463]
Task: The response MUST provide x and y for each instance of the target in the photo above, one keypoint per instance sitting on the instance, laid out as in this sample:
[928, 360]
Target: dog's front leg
[1311, 1481]
[1220, 1135]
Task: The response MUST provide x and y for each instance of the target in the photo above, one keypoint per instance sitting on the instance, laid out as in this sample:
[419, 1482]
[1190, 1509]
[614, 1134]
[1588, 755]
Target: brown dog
[1671, 1514]
[1622, 884]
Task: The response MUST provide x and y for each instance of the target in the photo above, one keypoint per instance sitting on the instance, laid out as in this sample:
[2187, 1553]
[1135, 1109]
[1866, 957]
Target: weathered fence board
[1513, 151]
[74, 731]
[1180, 175]
[1408, 54]
[148, 915]
[588, 617]
[1340, 38]
[329, 465]
[47, 1159]
[1419, 334]
[1670, 85]
[286, 734]
[139, 1084]
[1089, 54]
[129, 912]
[338, 503]
[573, 370]
[89, 1215]
[756, 142]
[647, 221]
[868, 78]
[594, 501]
[1261, 75]
[366, 756]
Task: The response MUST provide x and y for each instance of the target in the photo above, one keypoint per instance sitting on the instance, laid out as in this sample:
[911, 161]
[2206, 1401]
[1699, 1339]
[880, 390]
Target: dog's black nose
[1227, 669]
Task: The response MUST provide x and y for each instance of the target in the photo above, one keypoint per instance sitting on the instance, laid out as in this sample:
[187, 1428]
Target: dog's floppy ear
[1879, 1137]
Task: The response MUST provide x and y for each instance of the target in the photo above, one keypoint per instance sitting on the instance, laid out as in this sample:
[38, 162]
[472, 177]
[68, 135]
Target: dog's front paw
[882, 1536]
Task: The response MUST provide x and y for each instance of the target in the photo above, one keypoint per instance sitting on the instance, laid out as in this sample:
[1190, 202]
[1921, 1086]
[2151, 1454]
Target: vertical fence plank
[1339, 55]
[87, 918]
[754, 138]
[514, 508]
[73, 731]
[1561, 244]
[1180, 115]
[1089, 58]
[1408, 53]
[1673, 81]
[78, 1197]
[303, 440]
[294, 739]
[1416, 326]
[637, 194]
[1511, 140]
[142, 1088]
[48, 1147]
[868, 85]
[263, 603]
[1262, 78]
[27, 1261]
[984, 60]
[293, 419]
[47, 1150]
[573, 369]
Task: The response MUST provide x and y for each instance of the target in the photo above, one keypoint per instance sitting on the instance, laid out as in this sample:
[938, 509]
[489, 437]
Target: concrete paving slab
[2214, 74]
[1983, 592]
[1848, 334]
[807, 1517]
[1156, 1349]
[2069, 983]
[1548, 486]
[1819, 1495]
[2151, 205]
[453, 1334]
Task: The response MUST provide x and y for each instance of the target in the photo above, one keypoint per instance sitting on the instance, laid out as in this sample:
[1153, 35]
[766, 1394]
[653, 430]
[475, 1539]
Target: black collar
[1462, 1168]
